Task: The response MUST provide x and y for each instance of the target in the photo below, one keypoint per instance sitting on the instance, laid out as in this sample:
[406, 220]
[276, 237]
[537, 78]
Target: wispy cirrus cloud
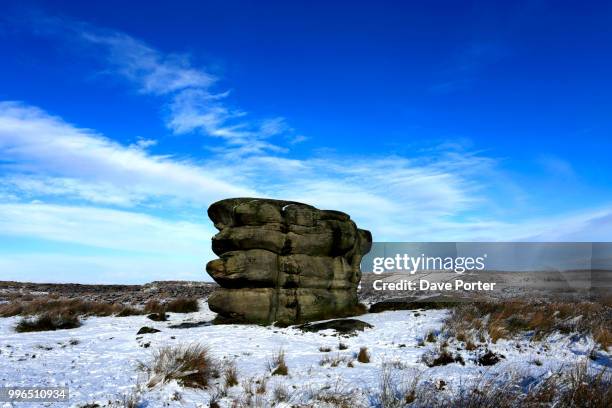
[152, 71]
[192, 102]
[193, 98]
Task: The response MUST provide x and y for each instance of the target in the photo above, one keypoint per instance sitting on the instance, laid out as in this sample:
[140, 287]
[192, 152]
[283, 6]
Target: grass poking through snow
[277, 364]
[363, 356]
[48, 321]
[190, 365]
[507, 319]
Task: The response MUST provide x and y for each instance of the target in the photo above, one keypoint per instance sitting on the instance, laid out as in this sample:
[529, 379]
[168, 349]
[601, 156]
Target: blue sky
[439, 121]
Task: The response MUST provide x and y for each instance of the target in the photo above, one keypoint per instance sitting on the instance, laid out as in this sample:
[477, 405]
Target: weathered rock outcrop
[284, 262]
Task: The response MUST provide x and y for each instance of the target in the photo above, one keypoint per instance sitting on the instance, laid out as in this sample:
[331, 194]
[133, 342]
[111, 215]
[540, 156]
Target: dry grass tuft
[14, 308]
[128, 311]
[154, 306]
[506, 319]
[576, 387]
[393, 392]
[183, 305]
[363, 356]
[280, 394]
[48, 321]
[338, 396]
[178, 305]
[497, 332]
[261, 386]
[190, 365]
[277, 364]
[587, 390]
[252, 393]
[470, 345]
[461, 336]
[131, 399]
[603, 336]
[442, 357]
[75, 307]
[333, 361]
[230, 375]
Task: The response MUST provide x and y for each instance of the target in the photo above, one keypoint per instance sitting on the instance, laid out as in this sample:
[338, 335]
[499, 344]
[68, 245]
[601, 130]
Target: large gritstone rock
[284, 262]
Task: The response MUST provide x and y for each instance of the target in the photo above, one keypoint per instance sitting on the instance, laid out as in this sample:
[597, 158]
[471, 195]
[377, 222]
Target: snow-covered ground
[101, 362]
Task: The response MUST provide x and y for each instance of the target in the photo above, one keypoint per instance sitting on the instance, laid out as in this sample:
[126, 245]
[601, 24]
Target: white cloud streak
[152, 71]
[56, 159]
[192, 104]
[88, 163]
